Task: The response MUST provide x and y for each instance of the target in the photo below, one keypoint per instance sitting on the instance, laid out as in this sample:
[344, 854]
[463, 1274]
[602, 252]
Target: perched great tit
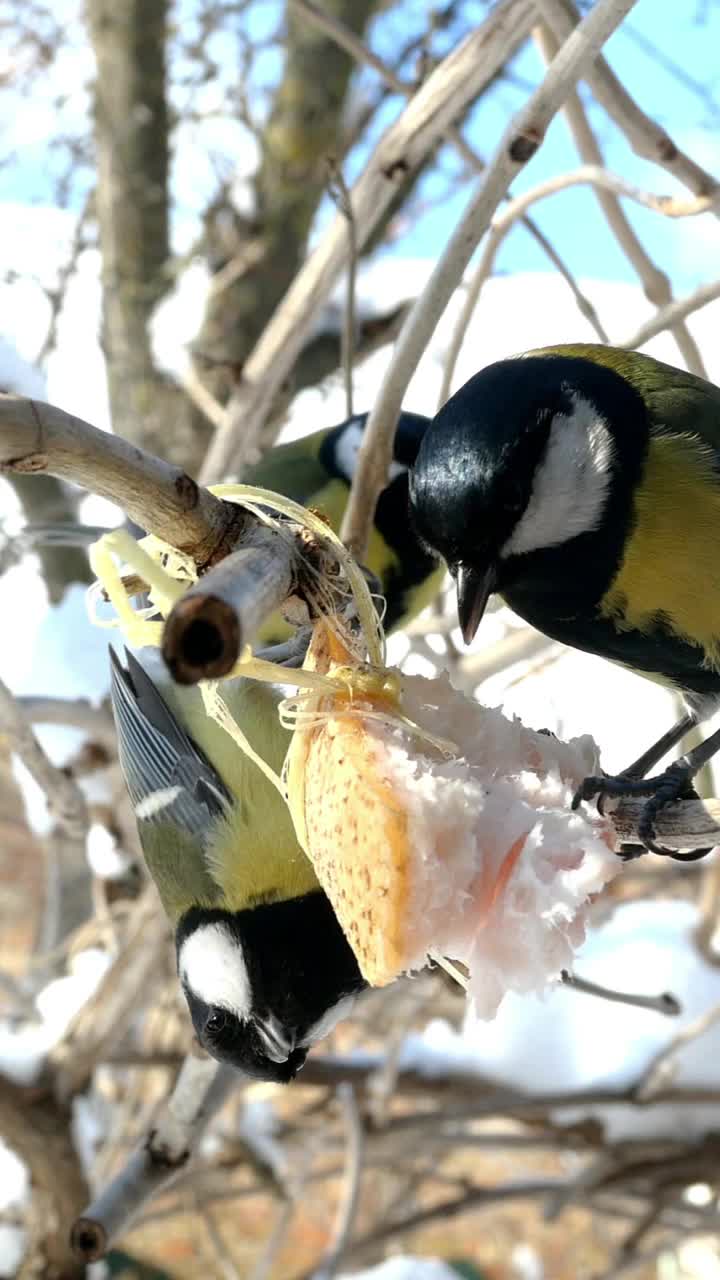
[318, 470]
[263, 962]
[583, 483]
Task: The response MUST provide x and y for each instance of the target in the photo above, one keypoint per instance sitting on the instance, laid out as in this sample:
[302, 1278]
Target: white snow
[106, 857]
[568, 1040]
[23, 1048]
[13, 1242]
[14, 1178]
[405, 1268]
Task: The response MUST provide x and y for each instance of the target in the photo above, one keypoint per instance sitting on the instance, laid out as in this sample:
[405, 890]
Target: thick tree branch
[213, 621]
[39, 438]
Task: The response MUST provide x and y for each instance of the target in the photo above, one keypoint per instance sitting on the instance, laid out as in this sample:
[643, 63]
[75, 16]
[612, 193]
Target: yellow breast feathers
[671, 563]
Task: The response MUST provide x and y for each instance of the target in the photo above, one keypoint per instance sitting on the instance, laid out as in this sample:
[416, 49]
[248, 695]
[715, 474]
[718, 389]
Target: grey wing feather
[159, 760]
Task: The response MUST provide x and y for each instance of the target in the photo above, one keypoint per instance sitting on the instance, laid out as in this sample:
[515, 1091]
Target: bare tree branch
[40, 438]
[213, 621]
[645, 137]
[519, 142]
[78, 713]
[360, 51]
[444, 96]
[65, 799]
[200, 1089]
[349, 1204]
[654, 281]
[38, 1128]
[589, 174]
[666, 316]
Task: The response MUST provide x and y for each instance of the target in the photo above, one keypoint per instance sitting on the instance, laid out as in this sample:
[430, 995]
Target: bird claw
[663, 789]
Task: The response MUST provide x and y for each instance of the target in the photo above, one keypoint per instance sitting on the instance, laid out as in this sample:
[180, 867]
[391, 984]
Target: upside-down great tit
[264, 965]
[582, 483]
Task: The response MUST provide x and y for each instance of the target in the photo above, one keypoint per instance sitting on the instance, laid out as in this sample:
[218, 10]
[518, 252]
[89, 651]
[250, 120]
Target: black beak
[474, 588]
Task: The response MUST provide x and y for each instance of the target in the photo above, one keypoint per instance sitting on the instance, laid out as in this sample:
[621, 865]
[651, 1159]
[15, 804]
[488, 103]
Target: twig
[203, 399]
[265, 1263]
[39, 438]
[587, 175]
[690, 824]
[79, 713]
[583, 303]
[103, 1020]
[654, 281]
[646, 138]
[666, 316]
[65, 799]
[199, 1091]
[518, 144]
[212, 622]
[349, 1203]
[517, 646]
[664, 1003]
[660, 1067]
[472, 1198]
[476, 1094]
[247, 257]
[341, 195]
[225, 1264]
[444, 96]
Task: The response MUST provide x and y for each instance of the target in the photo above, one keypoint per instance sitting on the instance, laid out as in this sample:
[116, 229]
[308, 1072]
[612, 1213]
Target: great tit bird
[582, 483]
[318, 470]
[263, 962]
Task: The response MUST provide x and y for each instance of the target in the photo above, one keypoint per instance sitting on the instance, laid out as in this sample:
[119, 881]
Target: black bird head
[265, 984]
[525, 457]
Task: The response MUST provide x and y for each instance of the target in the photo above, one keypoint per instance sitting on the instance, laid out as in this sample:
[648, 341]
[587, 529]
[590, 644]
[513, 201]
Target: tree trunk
[304, 130]
[131, 138]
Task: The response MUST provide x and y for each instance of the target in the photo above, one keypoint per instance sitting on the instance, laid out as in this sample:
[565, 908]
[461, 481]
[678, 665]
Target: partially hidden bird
[317, 471]
[582, 483]
[264, 965]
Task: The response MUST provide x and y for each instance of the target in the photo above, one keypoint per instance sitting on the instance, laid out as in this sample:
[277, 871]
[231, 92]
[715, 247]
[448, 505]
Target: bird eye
[216, 1023]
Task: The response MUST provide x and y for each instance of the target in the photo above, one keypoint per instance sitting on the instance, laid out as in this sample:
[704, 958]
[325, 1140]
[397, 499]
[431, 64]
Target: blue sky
[690, 251]
[572, 220]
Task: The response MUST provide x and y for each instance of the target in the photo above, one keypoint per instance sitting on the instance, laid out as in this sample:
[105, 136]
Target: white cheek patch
[346, 451]
[571, 482]
[329, 1021]
[212, 965]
